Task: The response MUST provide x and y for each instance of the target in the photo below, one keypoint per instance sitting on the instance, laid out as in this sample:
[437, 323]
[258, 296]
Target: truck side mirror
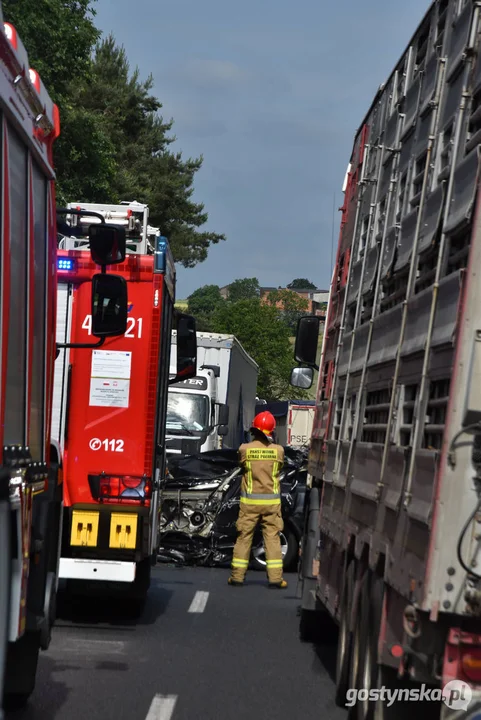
[307, 338]
[222, 430]
[186, 348]
[109, 305]
[302, 377]
[223, 414]
[107, 244]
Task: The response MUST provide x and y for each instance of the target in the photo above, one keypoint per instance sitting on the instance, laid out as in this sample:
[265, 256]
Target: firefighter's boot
[280, 585]
[234, 583]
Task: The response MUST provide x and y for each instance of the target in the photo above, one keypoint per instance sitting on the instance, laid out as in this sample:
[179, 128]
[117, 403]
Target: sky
[271, 93]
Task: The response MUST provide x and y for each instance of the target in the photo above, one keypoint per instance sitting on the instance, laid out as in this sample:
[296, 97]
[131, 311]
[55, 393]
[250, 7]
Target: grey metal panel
[432, 216]
[386, 175]
[365, 467]
[441, 362]
[477, 74]
[16, 390]
[391, 130]
[446, 310]
[422, 486]
[385, 336]
[360, 343]
[422, 134]
[419, 308]
[459, 38]
[344, 356]
[354, 282]
[377, 121]
[390, 245]
[429, 82]
[464, 191]
[411, 368]
[406, 152]
[411, 105]
[37, 404]
[452, 99]
[406, 239]
[370, 269]
[330, 460]
[345, 451]
[379, 376]
[396, 464]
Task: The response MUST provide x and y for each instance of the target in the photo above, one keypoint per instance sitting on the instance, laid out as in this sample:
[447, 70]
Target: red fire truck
[30, 481]
[110, 406]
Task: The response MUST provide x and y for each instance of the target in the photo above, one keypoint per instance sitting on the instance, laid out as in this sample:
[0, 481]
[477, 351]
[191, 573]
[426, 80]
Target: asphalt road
[201, 651]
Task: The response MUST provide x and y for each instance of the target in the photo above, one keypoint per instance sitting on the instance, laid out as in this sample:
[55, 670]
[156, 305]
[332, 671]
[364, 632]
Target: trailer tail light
[471, 664]
[120, 489]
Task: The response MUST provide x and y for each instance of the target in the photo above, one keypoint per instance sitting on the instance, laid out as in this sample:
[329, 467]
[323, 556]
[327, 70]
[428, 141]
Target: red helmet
[265, 422]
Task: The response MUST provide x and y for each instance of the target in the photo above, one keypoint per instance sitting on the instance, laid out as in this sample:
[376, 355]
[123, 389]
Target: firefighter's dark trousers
[270, 517]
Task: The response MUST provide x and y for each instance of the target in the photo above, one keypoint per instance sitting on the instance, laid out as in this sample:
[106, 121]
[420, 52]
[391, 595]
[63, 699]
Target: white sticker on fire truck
[110, 378]
[109, 393]
[111, 364]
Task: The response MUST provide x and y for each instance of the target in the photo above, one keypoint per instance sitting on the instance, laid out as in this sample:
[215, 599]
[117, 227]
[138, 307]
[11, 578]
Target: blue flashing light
[161, 245]
[66, 264]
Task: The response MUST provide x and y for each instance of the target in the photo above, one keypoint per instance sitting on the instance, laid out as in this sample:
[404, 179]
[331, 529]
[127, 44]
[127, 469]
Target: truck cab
[196, 421]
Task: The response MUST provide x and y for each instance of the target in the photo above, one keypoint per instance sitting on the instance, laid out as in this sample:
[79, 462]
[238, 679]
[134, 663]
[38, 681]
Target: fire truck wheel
[344, 644]
[140, 587]
[370, 623]
[22, 659]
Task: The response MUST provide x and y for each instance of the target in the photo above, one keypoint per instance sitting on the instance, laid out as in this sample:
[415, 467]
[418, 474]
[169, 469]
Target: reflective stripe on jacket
[261, 464]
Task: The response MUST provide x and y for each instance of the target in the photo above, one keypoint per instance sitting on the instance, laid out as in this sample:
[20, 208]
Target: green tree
[266, 337]
[301, 284]
[289, 305]
[114, 144]
[244, 289]
[203, 303]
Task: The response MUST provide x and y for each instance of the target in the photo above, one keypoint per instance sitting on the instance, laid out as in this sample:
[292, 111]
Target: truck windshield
[186, 411]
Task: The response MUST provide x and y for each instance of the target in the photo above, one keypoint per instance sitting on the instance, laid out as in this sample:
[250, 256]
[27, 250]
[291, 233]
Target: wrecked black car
[200, 505]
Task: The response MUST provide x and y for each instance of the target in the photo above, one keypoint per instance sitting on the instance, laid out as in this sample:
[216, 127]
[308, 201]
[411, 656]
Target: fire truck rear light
[123, 488]
[131, 482]
[471, 664]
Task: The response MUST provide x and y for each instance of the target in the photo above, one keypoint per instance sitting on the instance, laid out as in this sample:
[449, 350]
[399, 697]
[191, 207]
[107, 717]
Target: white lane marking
[161, 707]
[199, 602]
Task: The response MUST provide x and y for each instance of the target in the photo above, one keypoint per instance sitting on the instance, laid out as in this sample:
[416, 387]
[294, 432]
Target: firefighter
[261, 461]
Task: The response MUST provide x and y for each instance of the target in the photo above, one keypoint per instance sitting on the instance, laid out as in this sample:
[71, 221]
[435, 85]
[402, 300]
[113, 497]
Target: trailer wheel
[344, 644]
[22, 659]
[371, 600]
[356, 654]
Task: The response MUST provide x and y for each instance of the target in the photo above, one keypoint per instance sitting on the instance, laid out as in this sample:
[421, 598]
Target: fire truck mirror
[302, 377]
[107, 244]
[109, 305]
[307, 338]
[186, 348]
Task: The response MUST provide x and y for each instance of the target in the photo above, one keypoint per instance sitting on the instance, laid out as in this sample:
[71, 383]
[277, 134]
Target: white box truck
[294, 420]
[216, 407]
